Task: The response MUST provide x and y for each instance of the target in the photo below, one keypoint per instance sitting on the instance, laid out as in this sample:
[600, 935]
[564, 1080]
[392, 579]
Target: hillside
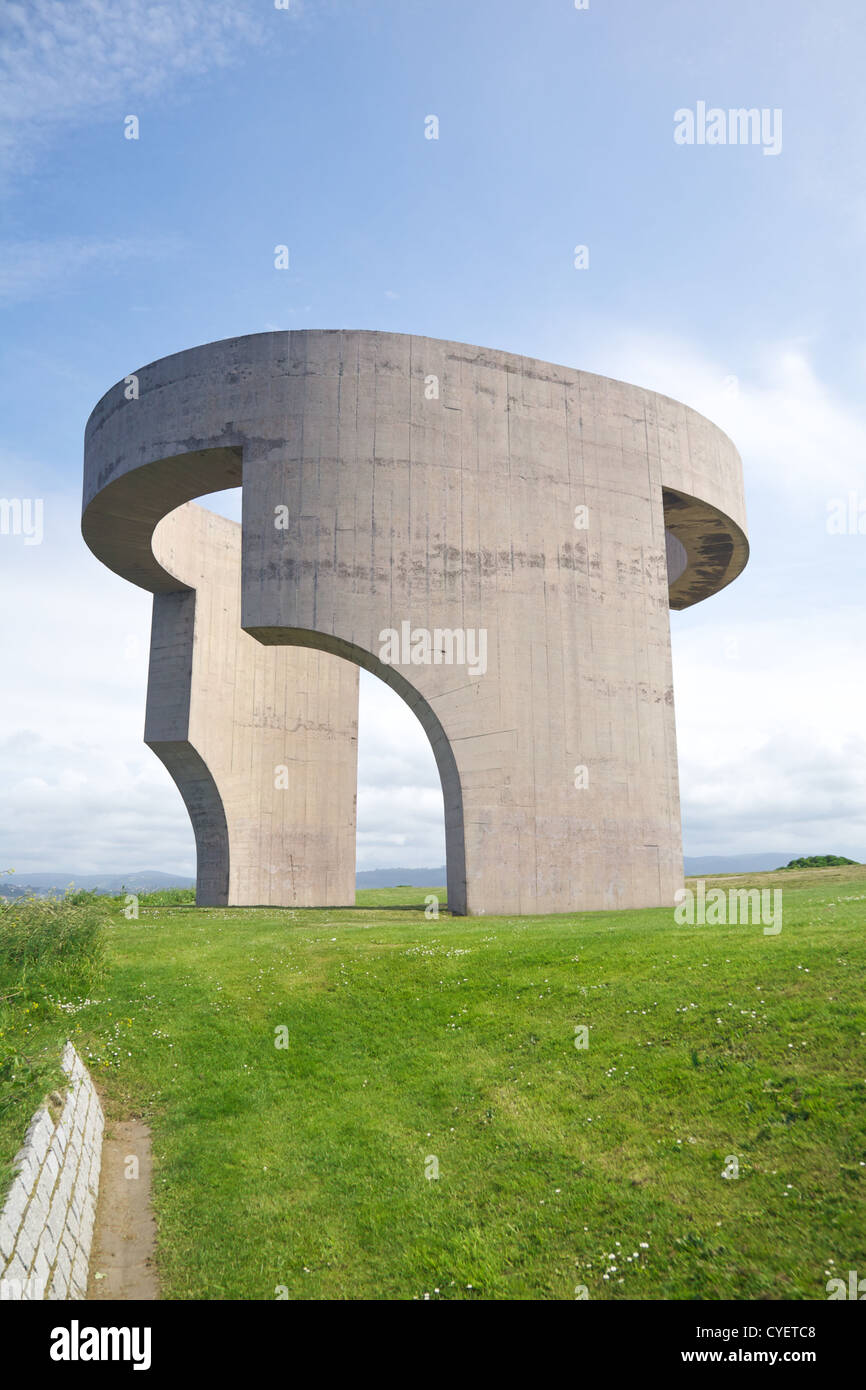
[311, 1167]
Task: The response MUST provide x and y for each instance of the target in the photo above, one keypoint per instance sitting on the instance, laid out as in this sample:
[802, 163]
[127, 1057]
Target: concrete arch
[438, 484]
[446, 762]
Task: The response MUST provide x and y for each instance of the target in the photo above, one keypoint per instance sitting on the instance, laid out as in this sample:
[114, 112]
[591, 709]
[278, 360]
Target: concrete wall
[225, 713]
[46, 1224]
[438, 484]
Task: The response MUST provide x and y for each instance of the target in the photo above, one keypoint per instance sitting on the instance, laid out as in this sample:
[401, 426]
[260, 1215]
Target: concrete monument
[499, 539]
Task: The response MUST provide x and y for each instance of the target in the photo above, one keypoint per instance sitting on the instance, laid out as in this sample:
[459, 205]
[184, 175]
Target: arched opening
[449, 776]
[401, 823]
[403, 766]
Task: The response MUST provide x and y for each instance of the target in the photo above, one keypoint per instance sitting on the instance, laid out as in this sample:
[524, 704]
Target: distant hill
[144, 881]
[735, 863]
[151, 880]
[696, 865]
[396, 878]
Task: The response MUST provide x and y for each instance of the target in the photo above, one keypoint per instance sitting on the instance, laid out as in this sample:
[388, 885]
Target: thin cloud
[796, 436]
[769, 733]
[64, 61]
[30, 269]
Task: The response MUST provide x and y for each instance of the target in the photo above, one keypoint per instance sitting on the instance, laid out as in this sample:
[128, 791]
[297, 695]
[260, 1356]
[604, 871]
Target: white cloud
[401, 819]
[770, 734]
[63, 61]
[796, 436]
[90, 806]
[39, 267]
[81, 790]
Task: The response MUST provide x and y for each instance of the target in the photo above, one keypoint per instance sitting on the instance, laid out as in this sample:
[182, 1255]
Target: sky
[729, 276]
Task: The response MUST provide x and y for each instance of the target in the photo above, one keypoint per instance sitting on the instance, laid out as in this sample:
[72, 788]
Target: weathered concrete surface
[436, 484]
[225, 713]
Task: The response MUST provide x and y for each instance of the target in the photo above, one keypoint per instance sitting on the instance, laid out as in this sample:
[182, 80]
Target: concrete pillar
[261, 743]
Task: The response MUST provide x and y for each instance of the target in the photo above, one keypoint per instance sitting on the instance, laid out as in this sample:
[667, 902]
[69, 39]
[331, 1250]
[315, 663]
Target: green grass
[409, 1038]
[51, 950]
[169, 897]
[364, 897]
[399, 897]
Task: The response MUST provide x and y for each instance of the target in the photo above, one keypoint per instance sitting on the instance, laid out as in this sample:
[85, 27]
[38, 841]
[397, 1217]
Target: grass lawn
[50, 953]
[411, 1040]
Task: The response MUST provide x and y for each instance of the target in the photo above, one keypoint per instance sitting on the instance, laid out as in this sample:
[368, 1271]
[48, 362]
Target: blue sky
[727, 278]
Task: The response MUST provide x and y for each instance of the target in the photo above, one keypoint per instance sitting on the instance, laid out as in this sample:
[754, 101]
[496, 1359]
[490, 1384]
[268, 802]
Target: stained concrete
[437, 483]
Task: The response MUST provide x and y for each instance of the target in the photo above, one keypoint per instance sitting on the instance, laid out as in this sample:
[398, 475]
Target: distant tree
[819, 861]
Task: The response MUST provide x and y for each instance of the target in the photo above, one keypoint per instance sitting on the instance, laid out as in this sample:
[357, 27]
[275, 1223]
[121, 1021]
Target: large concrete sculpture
[499, 539]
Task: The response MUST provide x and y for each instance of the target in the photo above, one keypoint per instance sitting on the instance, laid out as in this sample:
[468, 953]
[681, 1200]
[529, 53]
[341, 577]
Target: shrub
[50, 940]
[168, 897]
[819, 861]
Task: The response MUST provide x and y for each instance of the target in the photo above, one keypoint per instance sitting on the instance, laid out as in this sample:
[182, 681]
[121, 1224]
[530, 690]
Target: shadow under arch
[449, 776]
[192, 777]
